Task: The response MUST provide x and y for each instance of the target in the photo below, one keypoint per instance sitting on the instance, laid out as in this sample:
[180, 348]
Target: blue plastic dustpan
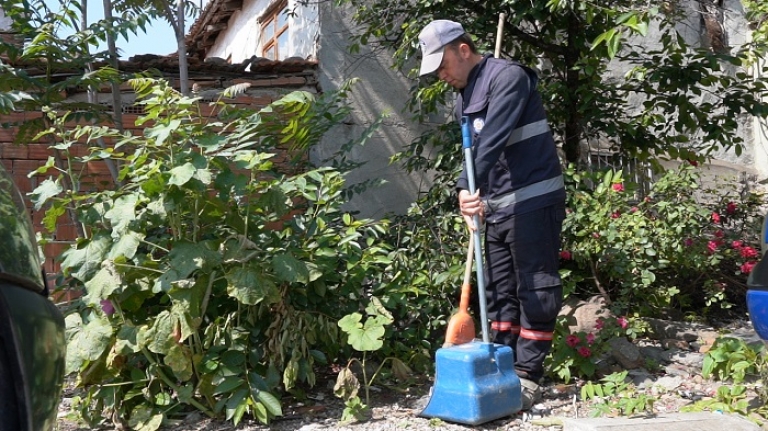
[475, 383]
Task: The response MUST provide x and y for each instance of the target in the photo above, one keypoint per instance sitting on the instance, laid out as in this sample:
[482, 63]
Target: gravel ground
[677, 382]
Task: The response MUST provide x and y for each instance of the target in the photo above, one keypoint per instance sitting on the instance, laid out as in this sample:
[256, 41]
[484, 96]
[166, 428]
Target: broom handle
[499, 32]
[465, 288]
[470, 168]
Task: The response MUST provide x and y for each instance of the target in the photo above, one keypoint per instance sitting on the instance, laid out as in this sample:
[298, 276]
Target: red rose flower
[747, 267]
[572, 340]
[711, 246]
[623, 322]
[748, 252]
[590, 338]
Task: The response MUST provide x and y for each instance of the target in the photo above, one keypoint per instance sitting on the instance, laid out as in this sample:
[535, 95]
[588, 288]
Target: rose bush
[576, 354]
[679, 246]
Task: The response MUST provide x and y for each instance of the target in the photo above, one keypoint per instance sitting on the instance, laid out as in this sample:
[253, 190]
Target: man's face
[455, 67]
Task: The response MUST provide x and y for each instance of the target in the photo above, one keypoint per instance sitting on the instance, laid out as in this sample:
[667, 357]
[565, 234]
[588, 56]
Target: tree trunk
[571, 146]
[117, 103]
[183, 66]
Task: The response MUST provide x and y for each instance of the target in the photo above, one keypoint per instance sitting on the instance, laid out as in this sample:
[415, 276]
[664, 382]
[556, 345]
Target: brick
[24, 167]
[66, 231]
[12, 151]
[39, 151]
[289, 81]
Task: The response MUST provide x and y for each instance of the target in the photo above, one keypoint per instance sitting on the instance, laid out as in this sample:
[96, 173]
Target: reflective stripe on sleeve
[528, 131]
[527, 192]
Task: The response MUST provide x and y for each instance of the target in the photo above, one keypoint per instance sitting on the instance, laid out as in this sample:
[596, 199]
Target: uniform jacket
[515, 158]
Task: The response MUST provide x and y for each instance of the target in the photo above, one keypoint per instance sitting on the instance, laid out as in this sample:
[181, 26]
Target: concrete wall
[322, 31]
[380, 90]
[732, 31]
[5, 22]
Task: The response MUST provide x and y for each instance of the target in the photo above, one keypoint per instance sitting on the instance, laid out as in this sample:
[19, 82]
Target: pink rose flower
[737, 244]
[730, 208]
[599, 324]
[623, 322]
[712, 246]
[716, 217]
[565, 255]
[584, 351]
[719, 234]
[617, 187]
[590, 338]
[572, 340]
[748, 252]
[616, 214]
[747, 267]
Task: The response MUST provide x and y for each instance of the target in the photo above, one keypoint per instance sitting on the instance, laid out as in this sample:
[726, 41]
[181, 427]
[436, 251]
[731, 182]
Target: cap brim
[430, 63]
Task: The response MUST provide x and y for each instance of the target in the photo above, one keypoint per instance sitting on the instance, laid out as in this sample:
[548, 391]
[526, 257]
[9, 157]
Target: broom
[461, 327]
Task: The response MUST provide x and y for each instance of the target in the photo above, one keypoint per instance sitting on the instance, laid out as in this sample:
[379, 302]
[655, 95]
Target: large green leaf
[125, 341]
[46, 190]
[179, 359]
[249, 286]
[144, 418]
[126, 246]
[87, 256]
[363, 337]
[290, 269]
[180, 175]
[185, 258]
[122, 213]
[270, 401]
[103, 284]
[87, 343]
[159, 337]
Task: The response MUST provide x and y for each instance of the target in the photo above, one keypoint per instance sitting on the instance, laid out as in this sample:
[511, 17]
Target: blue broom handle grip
[466, 145]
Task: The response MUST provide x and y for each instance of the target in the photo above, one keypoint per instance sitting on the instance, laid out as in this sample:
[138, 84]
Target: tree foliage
[678, 99]
[213, 280]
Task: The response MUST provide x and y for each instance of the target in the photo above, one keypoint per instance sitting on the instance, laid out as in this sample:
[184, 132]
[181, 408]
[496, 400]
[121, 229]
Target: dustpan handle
[470, 168]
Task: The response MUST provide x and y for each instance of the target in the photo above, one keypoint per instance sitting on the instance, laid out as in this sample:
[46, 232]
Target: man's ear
[464, 50]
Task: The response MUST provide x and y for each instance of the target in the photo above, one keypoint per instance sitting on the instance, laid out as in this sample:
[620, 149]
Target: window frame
[272, 18]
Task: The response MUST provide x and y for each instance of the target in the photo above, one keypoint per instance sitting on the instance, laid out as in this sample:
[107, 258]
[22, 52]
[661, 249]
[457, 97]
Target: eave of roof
[212, 21]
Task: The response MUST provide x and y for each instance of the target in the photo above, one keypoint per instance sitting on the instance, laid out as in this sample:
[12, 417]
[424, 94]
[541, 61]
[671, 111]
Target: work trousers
[524, 291]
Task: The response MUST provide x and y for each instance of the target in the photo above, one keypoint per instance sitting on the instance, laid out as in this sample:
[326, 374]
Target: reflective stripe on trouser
[523, 285]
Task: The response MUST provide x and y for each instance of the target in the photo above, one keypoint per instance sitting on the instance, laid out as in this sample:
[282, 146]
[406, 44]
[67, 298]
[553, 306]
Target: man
[520, 192]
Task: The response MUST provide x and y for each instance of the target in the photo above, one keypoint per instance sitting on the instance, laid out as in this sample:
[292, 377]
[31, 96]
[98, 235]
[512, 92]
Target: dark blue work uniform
[520, 181]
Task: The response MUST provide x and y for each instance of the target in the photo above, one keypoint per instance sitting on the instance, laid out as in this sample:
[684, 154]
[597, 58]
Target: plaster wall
[381, 90]
[5, 22]
[753, 159]
[242, 39]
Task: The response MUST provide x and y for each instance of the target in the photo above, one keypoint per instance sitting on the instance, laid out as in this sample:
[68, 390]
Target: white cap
[433, 39]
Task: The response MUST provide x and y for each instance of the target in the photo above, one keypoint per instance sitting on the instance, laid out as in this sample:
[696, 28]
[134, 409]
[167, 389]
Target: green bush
[679, 246]
[213, 280]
